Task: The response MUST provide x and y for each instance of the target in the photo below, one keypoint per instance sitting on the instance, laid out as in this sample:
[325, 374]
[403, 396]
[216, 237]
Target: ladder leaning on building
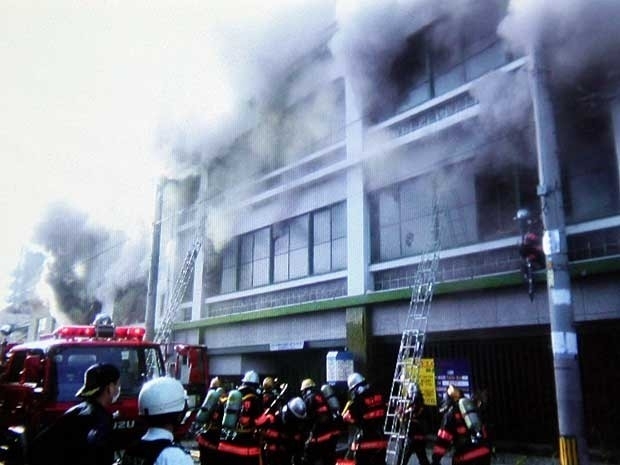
[164, 330]
[398, 417]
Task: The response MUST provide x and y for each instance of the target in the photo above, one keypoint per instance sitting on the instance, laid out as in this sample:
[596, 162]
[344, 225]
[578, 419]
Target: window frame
[239, 260]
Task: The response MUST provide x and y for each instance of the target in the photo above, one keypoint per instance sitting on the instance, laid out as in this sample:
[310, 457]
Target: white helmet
[298, 407]
[251, 377]
[354, 380]
[161, 395]
[294, 410]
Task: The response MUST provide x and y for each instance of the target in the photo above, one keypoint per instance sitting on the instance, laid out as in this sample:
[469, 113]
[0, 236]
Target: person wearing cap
[83, 434]
[162, 402]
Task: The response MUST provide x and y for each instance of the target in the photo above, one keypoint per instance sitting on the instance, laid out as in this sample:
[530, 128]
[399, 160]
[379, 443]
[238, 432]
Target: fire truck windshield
[70, 363]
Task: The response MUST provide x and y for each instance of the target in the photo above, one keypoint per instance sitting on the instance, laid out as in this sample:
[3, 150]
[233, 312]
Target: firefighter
[208, 425]
[531, 243]
[163, 404]
[239, 442]
[270, 392]
[366, 410]
[323, 431]
[462, 430]
[416, 442]
[83, 434]
[284, 433]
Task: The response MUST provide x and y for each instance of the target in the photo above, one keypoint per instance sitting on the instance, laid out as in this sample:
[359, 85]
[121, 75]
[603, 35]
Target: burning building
[314, 217]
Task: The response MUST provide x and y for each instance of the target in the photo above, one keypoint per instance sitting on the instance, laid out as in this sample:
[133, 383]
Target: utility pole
[151, 294]
[573, 449]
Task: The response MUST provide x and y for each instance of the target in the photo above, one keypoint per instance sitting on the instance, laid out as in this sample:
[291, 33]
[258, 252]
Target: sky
[92, 95]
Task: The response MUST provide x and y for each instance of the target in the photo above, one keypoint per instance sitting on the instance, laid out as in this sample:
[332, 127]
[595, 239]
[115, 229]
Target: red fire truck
[191, 366]
[41, 378]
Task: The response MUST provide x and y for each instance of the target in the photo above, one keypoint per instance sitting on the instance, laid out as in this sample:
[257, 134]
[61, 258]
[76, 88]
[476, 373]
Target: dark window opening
[499, 194]
[588, 161]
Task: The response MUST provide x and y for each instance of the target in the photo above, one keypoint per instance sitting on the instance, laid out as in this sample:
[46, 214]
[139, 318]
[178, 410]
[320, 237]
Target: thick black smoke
[87, 266]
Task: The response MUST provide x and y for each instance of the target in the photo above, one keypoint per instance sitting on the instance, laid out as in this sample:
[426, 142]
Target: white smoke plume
[258, 47]
[580, 36]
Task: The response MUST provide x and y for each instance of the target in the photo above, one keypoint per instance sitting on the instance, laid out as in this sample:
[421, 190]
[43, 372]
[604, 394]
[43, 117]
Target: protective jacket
[323, 429]
[156, 447]
[241, 445]
[417, 430]
[453, 432]
[367, 410]
[81, 436]
[282, 442]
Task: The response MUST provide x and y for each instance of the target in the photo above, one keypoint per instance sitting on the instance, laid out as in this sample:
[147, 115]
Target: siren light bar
[130, 333]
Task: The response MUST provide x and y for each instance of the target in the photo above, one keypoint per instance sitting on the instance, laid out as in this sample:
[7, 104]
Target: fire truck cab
[190, 365]
[41, 378]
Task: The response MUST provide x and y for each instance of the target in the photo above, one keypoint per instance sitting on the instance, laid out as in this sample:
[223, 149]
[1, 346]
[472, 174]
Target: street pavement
[499, 458]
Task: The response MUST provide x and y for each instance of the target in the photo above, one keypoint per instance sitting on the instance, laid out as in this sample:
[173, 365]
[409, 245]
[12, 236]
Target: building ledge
[578, 269]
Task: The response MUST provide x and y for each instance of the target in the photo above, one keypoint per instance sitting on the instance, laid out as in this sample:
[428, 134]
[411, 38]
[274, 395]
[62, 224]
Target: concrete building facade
[313, 223]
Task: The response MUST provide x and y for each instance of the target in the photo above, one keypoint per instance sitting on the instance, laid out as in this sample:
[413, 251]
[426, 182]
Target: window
[402, 215]
[447, 55]
[313, 243]
[70, 363]
[329, 239]
[389, 224]
[229, 266]
[401, 223]
[254, 259]
[587, 159]
[290, 246]
[499, 194]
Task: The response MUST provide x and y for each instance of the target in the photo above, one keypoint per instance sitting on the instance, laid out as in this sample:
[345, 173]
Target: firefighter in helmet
[284, 433]
[208, 424]
[323, 431]
[162, 403]
[531, 243]
[461, 429]
[239, 442]
[417, 417]
[366, 410]
[270, 391]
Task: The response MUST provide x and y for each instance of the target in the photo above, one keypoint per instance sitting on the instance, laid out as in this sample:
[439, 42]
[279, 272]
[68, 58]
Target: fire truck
[41, 378]
[190, 366]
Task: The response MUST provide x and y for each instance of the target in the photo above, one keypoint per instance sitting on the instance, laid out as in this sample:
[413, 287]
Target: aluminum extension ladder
[398, 419]
[164, 330]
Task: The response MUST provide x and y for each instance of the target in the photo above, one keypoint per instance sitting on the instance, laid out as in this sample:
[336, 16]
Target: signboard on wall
[425, 376]
[339, 366]
[426, 381]
[452, 371]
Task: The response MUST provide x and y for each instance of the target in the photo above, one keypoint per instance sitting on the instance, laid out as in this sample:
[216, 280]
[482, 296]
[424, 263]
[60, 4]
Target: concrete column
[358, 234]
[358, 229]
[151, 296]
[198, 295]
[358, 334]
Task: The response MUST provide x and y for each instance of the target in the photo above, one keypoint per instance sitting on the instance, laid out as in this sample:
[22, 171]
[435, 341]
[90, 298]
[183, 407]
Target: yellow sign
[427, 381]
[425, 377]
